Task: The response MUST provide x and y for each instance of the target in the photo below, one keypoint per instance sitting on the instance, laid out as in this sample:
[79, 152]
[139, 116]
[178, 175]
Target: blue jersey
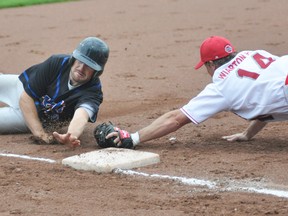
[47, 84]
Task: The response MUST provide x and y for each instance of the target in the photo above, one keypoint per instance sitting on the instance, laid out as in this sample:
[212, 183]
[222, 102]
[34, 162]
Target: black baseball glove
[100, 133]
[102, 130]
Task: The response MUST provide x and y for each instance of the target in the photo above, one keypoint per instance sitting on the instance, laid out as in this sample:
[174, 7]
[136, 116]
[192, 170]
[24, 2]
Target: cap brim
[200, 64]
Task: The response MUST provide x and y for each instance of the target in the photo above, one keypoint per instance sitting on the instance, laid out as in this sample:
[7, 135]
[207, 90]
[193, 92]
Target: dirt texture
[154, 45]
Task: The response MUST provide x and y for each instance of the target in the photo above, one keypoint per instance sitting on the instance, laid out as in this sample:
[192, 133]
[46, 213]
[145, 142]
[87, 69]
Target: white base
[105, 160]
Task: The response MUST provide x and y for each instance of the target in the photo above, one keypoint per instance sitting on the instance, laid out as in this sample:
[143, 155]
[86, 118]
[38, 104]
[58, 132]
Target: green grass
[22, 3]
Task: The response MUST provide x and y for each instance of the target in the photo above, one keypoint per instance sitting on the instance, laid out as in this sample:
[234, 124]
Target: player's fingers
[56, 135]
[118, 144]
[68, 136]
[116, 128]
[76, 143]
[72, 139]
[226, 137]
[236, 137]
[117, 141]
[63, 138]
[230, 138]
[112, 135]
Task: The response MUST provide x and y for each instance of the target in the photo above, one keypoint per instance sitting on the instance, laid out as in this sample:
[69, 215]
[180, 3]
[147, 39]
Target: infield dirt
[154, 46]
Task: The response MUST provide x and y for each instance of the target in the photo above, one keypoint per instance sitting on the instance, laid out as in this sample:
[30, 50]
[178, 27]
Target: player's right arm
[75, 129]
[32, 120]
[254, 127]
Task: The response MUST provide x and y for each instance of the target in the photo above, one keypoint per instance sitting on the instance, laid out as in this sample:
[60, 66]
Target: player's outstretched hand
[67, 139]
[236, 137]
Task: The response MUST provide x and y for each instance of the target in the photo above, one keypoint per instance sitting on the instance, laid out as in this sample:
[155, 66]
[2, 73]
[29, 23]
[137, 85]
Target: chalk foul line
[232, 185]
[28, 157]
[210, 184]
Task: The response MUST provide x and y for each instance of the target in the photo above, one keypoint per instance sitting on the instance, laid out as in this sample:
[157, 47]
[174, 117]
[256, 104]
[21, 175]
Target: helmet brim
[89, 62]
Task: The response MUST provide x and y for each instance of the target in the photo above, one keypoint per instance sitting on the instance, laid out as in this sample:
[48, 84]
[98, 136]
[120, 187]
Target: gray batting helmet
[93, 52]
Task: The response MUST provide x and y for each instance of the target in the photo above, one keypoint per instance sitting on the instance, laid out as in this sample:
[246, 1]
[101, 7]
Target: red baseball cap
[213, 48]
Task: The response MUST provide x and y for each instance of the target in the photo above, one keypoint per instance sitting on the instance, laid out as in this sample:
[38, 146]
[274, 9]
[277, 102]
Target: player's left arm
[254, 127]
[75, 129]
[165, 124]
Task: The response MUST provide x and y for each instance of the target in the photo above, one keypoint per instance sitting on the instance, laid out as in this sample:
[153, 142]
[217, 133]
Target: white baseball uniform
[11, 118]
[252, 85]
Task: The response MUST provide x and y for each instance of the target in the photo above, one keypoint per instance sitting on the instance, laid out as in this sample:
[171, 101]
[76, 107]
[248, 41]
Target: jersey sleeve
[206, 104]
[91, 99]
[89, 110]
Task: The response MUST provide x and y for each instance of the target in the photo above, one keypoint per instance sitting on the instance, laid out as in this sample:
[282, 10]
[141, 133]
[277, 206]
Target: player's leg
[10, 89]
[11, 118]
[12, 121]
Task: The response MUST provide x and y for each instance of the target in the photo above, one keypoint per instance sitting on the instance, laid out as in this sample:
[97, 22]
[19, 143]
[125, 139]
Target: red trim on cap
[200, 64]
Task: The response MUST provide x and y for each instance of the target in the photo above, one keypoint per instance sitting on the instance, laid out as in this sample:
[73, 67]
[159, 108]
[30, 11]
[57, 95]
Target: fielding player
[251, 84]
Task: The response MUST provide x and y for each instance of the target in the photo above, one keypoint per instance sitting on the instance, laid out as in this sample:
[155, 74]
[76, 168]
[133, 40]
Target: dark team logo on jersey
[49, 107]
